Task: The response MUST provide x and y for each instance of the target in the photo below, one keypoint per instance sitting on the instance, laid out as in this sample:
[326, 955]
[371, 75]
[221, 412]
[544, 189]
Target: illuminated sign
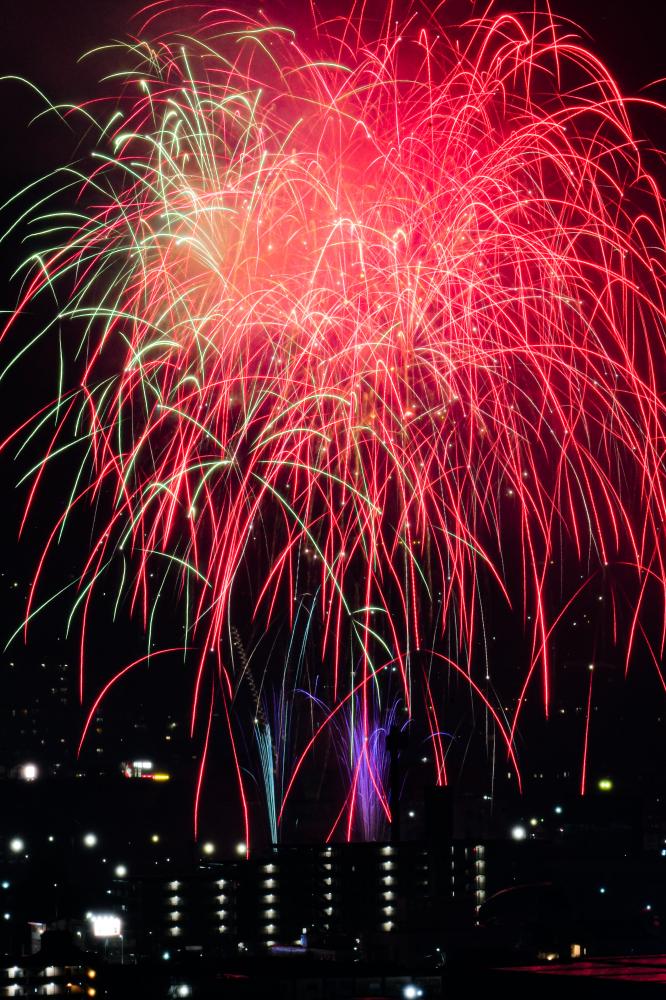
[105, 925]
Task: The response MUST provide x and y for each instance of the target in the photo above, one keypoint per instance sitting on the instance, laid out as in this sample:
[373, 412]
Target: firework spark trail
[354, 311]
[365, 761]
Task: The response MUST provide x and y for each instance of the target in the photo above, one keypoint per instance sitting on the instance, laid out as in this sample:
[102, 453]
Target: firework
[362, 336]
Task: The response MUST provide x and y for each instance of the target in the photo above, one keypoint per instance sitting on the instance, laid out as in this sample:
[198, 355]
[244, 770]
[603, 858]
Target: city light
[518, 833]
[241, 848]
[105, 925]
[120, 871]
[208, 848]
[29, 772]
[90, 840]
[605, 785]
[16, 845]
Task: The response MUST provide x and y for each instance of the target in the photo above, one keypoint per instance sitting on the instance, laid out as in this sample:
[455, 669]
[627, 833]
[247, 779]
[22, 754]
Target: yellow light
[605, 785]
[161, 776]
[91, 973]
[92, 991]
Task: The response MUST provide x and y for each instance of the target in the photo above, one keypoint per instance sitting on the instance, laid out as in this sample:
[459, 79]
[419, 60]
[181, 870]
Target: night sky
[42, 42]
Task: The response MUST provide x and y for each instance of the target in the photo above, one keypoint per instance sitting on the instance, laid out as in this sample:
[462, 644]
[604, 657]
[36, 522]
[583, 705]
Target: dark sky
[42, 40]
